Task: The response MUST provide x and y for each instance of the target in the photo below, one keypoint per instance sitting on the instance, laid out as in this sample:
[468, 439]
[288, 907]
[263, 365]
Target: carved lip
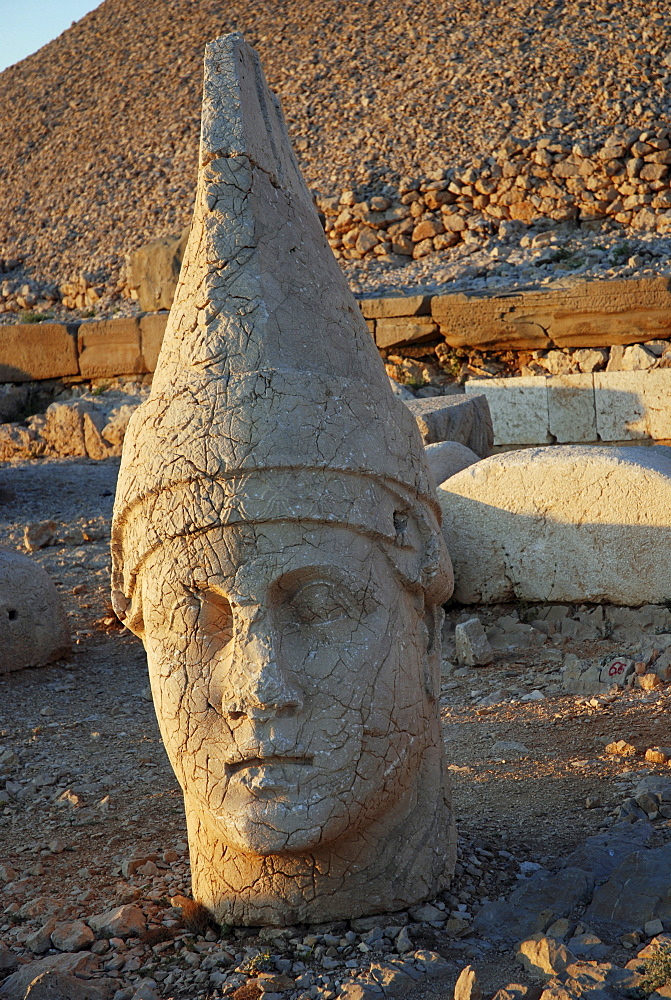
[232, 767]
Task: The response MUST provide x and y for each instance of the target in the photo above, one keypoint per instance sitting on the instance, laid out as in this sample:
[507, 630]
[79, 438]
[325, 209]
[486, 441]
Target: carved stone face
[287, 664]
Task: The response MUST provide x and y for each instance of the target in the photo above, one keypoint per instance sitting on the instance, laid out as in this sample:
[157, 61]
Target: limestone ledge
[588, 314]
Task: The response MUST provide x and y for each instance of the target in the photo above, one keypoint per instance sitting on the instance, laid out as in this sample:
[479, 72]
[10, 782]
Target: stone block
[518, 407]
[455, 418]
[30, 351]
[110, 347]
[492, 322]
[565, 524]
[404, 330]
[601, 313]
[591, 314]
[571, 410]
[152, 328]
[472, 644]
[657, 400]
[620, 408]
[388, 306]
[153, 270]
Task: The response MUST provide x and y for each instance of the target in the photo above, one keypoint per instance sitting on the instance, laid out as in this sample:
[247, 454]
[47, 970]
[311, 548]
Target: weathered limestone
[33, 625]
[592, 314]
[518, 408]
[153, 271]
[108, 347]
[276, 544]
[576, 409]
[571, 408]
[404, 330]
[35, 351]
[395, 306]
[446, 458]
[465, 419]
[567, 523]
[152, 331]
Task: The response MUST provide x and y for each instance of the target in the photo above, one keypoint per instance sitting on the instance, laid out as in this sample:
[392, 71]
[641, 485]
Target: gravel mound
[100, 127]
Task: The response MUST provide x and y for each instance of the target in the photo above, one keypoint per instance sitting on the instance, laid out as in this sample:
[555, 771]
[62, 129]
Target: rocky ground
[91, 818]
[101, 126]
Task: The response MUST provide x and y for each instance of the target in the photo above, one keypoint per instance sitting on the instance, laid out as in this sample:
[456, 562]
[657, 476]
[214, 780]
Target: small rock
[8, 960]
[39, 941]
[472, 645]
[125, 921]
[145, 993]
[637, 358]
[391, 978]
[432, 963]
[621, 748]
[426, 913]
[467, 986]
[39, 534]
[403, 943]
[649, 681]
[149, 868]
[658, 755]
[544, 956]
[72, 935]
[653, 927]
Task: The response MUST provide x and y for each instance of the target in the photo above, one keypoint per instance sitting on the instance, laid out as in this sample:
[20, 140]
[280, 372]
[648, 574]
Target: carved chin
[269, 813]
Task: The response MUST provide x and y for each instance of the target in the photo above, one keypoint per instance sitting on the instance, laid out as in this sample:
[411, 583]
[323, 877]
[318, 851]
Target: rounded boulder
[565, 523]
[33, 624]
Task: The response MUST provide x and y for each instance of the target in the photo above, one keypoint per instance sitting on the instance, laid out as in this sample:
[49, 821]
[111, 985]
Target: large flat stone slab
[569, 523]
[590, 314]
[395, 305]
[637, 891]
[33, 351]
[631, 405]
[404, 330]
[465, 419]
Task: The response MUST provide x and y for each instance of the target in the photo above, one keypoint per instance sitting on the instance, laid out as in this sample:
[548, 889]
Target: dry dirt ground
[88, 784]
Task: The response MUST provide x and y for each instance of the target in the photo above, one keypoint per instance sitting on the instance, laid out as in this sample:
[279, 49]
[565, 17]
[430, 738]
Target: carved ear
[128, 612]
[434, 616]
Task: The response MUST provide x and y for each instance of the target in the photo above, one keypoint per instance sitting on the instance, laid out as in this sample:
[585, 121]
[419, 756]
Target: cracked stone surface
[276, 543]
[568, 523]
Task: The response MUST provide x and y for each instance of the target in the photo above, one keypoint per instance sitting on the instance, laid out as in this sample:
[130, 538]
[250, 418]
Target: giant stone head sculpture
[277, 546]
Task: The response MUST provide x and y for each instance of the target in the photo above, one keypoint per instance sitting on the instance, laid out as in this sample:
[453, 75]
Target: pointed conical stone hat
[270, 400]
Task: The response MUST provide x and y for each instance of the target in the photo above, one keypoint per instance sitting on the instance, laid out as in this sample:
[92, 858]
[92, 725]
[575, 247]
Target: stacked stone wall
[626, 179]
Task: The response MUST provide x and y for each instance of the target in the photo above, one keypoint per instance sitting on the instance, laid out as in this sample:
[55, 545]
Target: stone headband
[384, 511]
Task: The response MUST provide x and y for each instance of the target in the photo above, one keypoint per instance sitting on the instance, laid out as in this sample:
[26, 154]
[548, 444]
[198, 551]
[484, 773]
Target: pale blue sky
[27, 25]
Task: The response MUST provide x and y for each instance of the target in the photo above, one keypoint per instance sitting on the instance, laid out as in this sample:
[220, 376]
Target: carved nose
[266, 689]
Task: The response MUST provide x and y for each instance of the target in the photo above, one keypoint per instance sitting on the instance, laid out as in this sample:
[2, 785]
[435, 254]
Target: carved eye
[322, 603]
[215, 619]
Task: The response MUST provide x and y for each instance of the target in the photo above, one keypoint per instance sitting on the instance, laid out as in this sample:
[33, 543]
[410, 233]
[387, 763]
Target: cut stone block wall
[575, 409]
